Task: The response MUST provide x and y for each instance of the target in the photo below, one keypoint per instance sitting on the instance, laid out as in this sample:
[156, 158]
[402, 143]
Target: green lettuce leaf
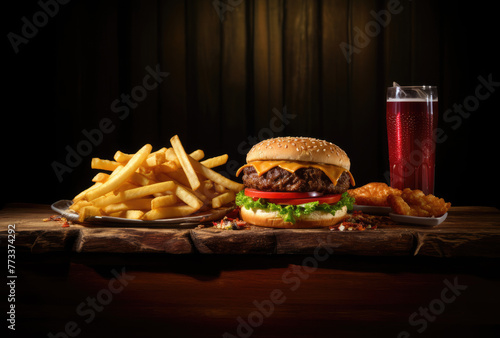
[290, 213]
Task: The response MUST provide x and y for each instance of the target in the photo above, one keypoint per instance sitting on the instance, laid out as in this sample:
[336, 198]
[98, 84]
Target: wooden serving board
[467, 232]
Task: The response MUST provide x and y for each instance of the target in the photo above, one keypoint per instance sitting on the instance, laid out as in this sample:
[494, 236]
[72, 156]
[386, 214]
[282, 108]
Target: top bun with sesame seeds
[304, 149]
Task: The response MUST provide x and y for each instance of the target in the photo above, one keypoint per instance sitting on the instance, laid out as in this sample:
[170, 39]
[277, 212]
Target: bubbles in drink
[410, 126]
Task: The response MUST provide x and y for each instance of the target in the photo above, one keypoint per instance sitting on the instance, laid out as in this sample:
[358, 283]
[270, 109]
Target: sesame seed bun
[271, 219]
[303, 149]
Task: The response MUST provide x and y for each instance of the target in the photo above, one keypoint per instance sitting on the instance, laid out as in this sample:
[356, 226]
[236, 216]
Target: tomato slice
[280, 195]
[294, 198]
[328, 199]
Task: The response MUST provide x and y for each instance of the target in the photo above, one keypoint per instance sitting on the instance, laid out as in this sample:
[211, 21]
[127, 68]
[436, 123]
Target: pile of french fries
[150, 185]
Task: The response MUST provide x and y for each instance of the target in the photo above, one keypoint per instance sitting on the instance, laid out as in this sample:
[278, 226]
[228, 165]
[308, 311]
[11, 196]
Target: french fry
[167, 167]
[207, 190]
[87, 212]
[163, 201]
[155, 159]
[141, 179]
[141, 203]
[123, 175]
[179, 176]
[170, 156]
[215, 161]
[197, 154]
[168, 212]
[220, 188]
[120, 214]
[222, 199]
[134, 214]
[123, 187]
[215, 176]
[160, 151]
[148, 172]
[116, 171]
[188, 197]
[80, 204]
[100, 177]
[207, 184]
[122, 157]
[185, 162]
[98, 163]
[130, 214]
[131, 194]
[162, 177]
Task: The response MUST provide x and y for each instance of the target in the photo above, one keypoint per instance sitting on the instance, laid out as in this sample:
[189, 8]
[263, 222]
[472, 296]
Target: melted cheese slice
[333, 172]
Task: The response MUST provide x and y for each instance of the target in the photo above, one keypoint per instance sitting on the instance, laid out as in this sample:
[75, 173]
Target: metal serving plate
[62, 207]
[427, 221]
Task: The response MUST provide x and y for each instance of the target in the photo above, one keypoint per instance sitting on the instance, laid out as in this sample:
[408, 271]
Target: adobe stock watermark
[87, 310]
[471, 103]
[372, 29]
[30, 28]
[454, 117]
[292, 277]
[425, 315]
[277, 124]
[122, 107]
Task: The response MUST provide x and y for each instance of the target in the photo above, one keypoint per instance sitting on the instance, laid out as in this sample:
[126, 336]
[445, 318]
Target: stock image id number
[11, 249]
[11, 276]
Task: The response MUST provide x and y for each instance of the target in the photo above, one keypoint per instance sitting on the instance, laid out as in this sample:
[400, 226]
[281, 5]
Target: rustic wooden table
[398, 281]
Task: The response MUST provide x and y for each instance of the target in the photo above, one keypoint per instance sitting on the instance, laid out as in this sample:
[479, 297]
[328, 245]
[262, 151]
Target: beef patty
[302, 180]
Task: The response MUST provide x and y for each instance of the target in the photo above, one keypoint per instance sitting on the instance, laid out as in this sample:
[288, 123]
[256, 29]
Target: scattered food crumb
[56, 218]
[358, 221]
[228, 223]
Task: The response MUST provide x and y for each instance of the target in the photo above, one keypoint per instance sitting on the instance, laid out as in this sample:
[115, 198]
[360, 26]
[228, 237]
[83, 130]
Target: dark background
[226, 76]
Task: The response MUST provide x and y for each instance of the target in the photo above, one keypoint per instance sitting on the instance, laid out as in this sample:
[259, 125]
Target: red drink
[410, 130]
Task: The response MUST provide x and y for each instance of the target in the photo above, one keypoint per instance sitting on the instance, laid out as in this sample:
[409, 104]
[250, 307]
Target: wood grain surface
[90, 281]
[468, 232]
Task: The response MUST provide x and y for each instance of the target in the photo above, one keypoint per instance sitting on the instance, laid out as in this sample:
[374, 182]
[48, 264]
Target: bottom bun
[271, 219]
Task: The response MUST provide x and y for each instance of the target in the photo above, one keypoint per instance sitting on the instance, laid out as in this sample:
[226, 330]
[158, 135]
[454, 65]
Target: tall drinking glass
[411, 117]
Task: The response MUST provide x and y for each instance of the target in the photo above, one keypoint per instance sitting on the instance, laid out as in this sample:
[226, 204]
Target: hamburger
[295, 182]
